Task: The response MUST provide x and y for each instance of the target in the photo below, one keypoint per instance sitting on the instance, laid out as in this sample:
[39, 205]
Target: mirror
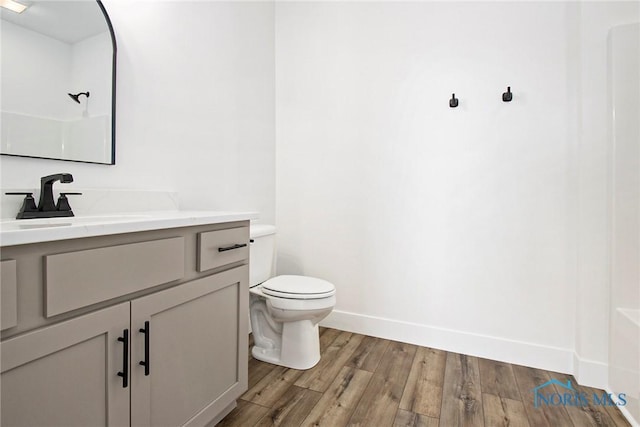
[58, 81]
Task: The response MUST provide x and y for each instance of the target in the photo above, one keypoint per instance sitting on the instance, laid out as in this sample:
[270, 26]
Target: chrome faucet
[46, 207]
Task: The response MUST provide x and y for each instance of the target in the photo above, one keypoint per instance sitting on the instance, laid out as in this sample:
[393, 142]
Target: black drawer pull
[124, 339]
[229, 248]
[146, 333]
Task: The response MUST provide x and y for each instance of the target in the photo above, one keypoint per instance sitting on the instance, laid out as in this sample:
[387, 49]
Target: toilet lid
[298, 287]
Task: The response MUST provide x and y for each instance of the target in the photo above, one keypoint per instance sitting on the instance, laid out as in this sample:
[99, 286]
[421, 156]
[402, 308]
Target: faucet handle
[28, 204]
[63, 202]
[18, 193]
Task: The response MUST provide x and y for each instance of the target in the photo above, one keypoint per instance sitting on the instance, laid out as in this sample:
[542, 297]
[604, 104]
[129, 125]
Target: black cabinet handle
[229, 248]
[124, 339]
[146, 331]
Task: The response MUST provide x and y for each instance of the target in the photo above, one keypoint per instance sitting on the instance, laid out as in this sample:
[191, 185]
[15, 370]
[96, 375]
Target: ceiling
[67, 21]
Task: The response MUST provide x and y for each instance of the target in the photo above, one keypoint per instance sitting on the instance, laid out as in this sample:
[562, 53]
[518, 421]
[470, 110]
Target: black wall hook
[507, 96]
[453, 102]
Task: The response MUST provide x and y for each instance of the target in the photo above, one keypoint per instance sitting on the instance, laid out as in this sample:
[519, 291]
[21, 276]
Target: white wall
[195, 107]
[445, 227]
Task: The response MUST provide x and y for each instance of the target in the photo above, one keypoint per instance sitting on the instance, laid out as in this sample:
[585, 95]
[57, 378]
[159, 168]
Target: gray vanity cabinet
[65, 374]
[196, 361]
[63, 363]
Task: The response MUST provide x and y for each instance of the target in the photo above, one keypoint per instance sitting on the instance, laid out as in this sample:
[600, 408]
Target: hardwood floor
[366, 381]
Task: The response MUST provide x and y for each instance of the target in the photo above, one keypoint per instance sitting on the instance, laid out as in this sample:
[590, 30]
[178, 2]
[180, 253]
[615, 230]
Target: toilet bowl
[284, 310]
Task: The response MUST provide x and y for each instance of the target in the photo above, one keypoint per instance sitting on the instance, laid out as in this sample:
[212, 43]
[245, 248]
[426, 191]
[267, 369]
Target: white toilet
[284, 310]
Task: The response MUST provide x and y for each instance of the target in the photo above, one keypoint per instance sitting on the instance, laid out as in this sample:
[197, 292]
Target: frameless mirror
[58, 81]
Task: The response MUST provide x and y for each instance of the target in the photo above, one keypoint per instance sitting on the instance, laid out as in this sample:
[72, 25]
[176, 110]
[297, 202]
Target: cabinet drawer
[221, 247]
[78, 279]
[9, 294]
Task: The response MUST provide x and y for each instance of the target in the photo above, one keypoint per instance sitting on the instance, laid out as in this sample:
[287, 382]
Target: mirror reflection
[58, 80]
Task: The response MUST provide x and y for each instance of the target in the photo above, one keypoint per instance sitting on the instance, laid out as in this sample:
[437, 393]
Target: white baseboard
[504, 350]
[590, 373]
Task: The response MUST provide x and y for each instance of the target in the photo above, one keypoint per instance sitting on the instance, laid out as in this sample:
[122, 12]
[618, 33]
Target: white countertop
[23, 231]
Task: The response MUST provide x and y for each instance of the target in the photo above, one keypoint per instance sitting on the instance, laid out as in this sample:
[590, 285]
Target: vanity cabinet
[65, 374]
[192, 352]
[163, 354]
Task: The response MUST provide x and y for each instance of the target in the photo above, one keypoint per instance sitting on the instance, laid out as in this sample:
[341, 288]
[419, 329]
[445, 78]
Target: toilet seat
[298, 287]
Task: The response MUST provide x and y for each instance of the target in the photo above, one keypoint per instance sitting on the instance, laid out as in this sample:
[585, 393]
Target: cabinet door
[197, 350]
[67, 374]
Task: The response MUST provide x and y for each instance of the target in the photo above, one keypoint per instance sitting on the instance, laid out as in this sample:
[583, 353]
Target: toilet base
[300, 346]
[271, 355]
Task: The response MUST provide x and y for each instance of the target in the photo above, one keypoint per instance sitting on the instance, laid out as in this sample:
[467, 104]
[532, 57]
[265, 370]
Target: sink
[34, 224]
[20, 226]
[103, 218]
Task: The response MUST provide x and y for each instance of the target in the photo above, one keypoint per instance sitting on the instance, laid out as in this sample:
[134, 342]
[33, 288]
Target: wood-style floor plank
[292, 408]
[423, 392]
[332, 360]
[617, 417]
[368, 354]
[543, 416]
[245, 414]
[461, 395]
[503, 412]
[587, 415]
[613, 411]
[372, 382]
[497, 378]
[257, 371]
[339, 401]
[272, 386]
[411, 419]
[381, 398]
[327, 336]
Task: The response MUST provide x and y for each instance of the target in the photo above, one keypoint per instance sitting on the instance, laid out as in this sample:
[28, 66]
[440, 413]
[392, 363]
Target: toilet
[284, 310]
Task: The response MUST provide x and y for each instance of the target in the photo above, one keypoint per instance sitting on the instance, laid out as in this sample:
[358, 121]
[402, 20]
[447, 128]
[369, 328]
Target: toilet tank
[261, 253]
